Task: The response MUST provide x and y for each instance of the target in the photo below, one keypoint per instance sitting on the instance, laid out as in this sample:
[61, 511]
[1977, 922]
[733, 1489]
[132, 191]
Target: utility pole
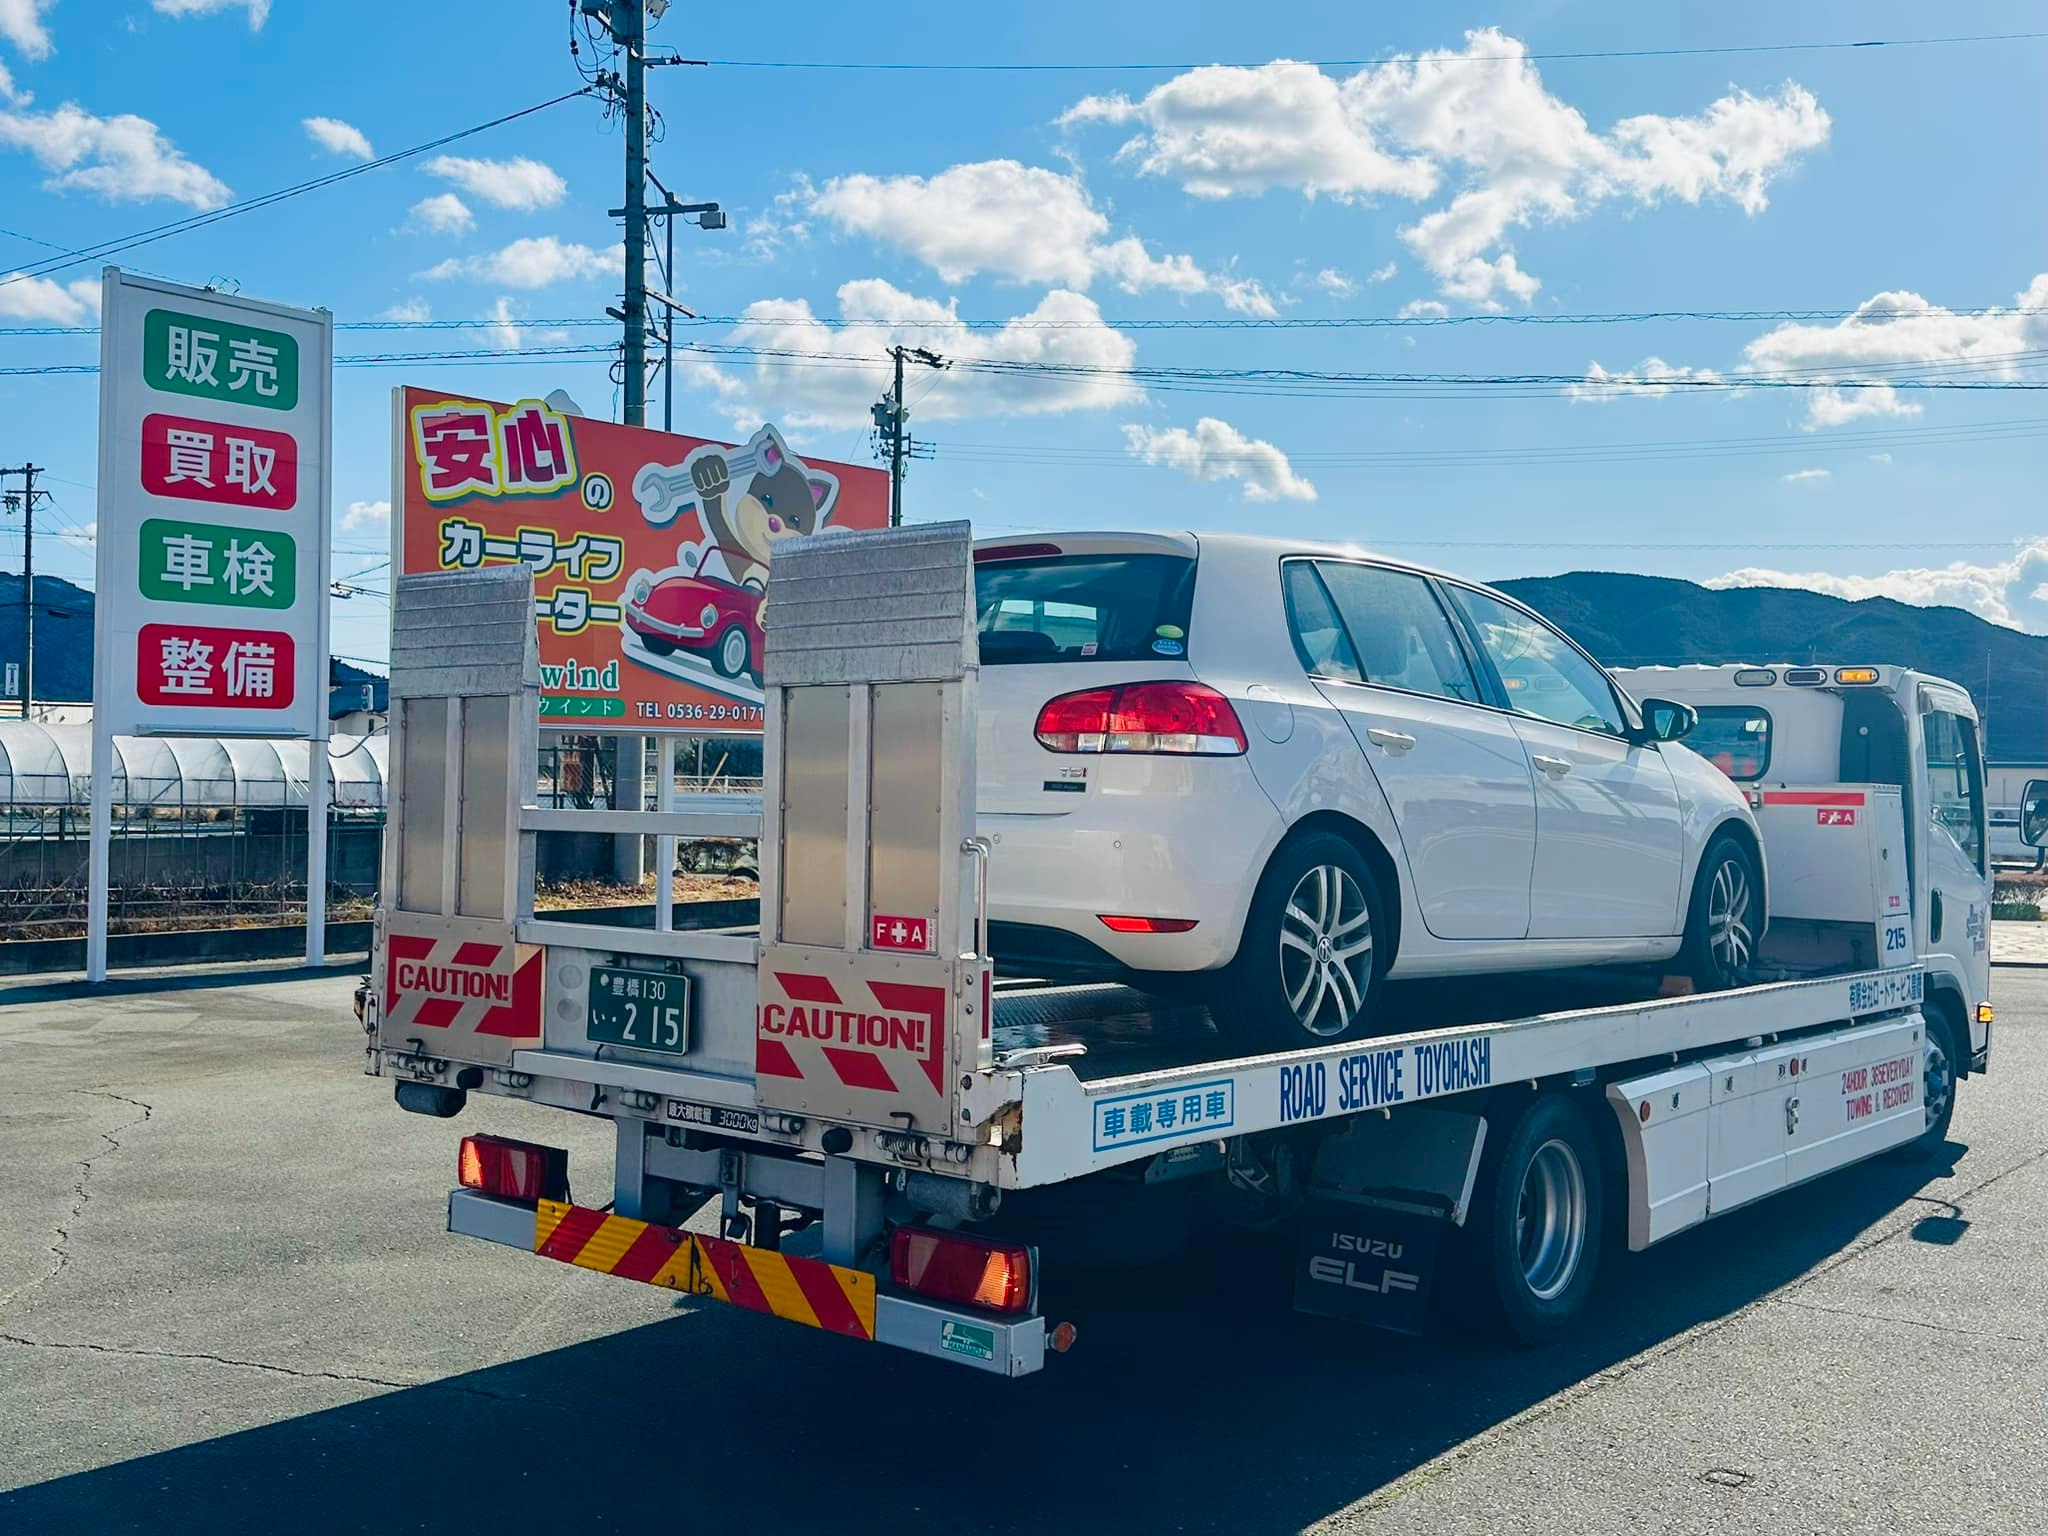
[26, 500]
[891, 416]
[630, 29]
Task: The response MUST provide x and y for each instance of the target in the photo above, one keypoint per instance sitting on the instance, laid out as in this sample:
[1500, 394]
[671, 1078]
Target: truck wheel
[1536, 1220]
[1938, 1058]
[1722, 923]
[1307, 970]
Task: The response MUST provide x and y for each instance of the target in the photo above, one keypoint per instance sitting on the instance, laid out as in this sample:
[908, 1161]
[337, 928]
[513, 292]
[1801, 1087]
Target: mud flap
[1369, 1263]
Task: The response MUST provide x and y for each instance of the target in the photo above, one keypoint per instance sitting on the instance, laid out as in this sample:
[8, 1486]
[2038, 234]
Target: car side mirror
[1668, 720]
[2034, 813]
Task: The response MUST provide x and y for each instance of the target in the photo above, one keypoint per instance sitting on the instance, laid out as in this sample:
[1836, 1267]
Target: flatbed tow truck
[898, 1144]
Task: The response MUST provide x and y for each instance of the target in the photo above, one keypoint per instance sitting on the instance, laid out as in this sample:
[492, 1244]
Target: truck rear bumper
[796, 1289]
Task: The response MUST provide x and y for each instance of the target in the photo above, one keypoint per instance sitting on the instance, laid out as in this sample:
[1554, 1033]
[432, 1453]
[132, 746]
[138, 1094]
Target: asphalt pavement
[226, 1301]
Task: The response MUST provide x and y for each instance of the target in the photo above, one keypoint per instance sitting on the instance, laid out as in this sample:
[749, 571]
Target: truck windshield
[1735, 738]
[1083, 608]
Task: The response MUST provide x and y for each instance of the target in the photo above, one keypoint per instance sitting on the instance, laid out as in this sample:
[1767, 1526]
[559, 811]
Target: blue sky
[919, 200]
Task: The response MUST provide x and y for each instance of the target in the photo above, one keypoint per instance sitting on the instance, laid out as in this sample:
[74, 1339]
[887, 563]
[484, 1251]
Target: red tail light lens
[966, 1271]
[1117, 923]
[512, 1170]
[1186, 719]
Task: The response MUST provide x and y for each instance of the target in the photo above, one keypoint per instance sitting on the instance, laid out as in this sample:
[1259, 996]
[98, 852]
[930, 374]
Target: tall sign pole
[211, 616]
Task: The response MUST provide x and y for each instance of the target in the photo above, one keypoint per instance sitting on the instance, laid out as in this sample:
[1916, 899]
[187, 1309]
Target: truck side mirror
[1668, 720]
[2034, 813]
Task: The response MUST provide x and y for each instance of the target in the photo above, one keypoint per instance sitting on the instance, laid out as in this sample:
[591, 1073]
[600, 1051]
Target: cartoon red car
[714, 618]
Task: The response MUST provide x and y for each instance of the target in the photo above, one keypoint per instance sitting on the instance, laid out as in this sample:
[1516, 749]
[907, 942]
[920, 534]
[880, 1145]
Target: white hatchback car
[1303, 768]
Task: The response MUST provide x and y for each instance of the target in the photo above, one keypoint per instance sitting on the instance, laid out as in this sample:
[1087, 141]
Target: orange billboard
[650, 550]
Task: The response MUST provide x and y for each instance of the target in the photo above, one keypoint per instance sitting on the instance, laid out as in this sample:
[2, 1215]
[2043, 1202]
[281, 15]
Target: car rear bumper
[1191, 855]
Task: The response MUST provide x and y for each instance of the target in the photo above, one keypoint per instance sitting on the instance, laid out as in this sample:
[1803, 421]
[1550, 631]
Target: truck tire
[1534, 1230]
[1940, 1059]
[1722, 924]
[1308, 966]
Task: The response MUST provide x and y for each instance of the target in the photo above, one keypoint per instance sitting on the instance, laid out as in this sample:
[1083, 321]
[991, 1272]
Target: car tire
[657, 646]
[1535, 1224]
[1721, 923]
[729, 658]
[1309, 963]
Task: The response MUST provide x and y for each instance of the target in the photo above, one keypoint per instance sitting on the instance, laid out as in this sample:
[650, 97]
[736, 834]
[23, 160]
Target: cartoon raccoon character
[781, 497]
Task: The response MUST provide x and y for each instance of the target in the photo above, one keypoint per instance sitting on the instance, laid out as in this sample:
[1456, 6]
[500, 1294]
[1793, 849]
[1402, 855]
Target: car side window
[1542, 672]
[1319, 638]
[1399, 631]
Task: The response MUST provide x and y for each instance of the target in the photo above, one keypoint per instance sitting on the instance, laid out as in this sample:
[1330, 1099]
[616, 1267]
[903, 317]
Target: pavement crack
[1911, 1322]
[269, 1367]
[81, 1194]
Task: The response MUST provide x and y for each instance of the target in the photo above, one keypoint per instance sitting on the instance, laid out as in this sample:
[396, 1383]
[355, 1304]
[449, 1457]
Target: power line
[83, 254]
[904, 67]
[1161, 323]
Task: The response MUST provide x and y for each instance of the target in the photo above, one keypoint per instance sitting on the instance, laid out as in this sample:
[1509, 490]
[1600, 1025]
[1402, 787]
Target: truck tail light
[512, 1170]
[966, 1271]
[1181, 719]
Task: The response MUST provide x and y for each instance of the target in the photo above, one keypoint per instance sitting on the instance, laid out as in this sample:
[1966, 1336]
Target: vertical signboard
[211, 611]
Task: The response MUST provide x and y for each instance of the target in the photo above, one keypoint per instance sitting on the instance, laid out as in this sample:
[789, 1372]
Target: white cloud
[51, 303]
[1019, 222]
[1064, 328]
[1386, 273]
[259, 10]
[339, 138]
[1653, 376]
[2011, 592]
[443, 214]
[1216, 450]
[8, 93]
[1431, 309]
[1880, 458]
[21, 23]
[504, 333]
[1479, 121]
[366, 514]
[121, 159]
[1335, 283]
[1901, 327]
[782, 224]
[412, 310]
[522, 184]
[1804, 476]
[534, 262]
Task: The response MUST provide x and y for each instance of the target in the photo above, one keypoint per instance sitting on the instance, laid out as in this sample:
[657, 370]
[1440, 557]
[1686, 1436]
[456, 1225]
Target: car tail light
[515, 1170]
[1116, 923]
[964, 1270]
[1187, 719]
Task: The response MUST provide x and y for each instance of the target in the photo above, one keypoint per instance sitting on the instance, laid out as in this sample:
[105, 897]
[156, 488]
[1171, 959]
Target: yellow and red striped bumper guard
[800, 1290]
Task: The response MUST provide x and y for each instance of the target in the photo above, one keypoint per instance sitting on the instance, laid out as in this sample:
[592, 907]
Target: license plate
[647, 1010]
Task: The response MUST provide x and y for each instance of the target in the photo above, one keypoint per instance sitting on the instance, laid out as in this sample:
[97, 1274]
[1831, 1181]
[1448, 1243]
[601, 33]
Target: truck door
[1954, 836]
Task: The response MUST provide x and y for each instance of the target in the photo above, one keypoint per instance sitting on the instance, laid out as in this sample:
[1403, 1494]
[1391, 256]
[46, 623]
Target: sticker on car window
[1168, 647]
[1170, 632]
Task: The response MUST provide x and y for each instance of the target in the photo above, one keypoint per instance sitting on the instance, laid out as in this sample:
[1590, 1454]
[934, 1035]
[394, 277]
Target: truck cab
[1788, 728]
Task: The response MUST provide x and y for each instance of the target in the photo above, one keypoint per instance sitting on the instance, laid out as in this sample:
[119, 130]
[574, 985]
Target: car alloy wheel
[1326, 950]
[1729, 933]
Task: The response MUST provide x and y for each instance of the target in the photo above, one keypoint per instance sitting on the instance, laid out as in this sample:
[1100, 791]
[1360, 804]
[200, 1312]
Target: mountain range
[1624, 620]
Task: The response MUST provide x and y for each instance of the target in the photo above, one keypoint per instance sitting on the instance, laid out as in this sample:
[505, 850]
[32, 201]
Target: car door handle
[1395, 742]
[1556, 767]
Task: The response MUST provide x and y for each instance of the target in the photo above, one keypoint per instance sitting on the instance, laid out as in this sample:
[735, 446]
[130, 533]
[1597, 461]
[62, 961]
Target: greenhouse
[205, 829]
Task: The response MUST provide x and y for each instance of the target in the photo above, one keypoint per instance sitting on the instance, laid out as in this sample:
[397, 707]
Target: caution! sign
[441, 991]
[866, 1042]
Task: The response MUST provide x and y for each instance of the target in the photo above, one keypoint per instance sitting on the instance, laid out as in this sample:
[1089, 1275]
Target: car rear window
[1083, 608]
[1735, 739]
